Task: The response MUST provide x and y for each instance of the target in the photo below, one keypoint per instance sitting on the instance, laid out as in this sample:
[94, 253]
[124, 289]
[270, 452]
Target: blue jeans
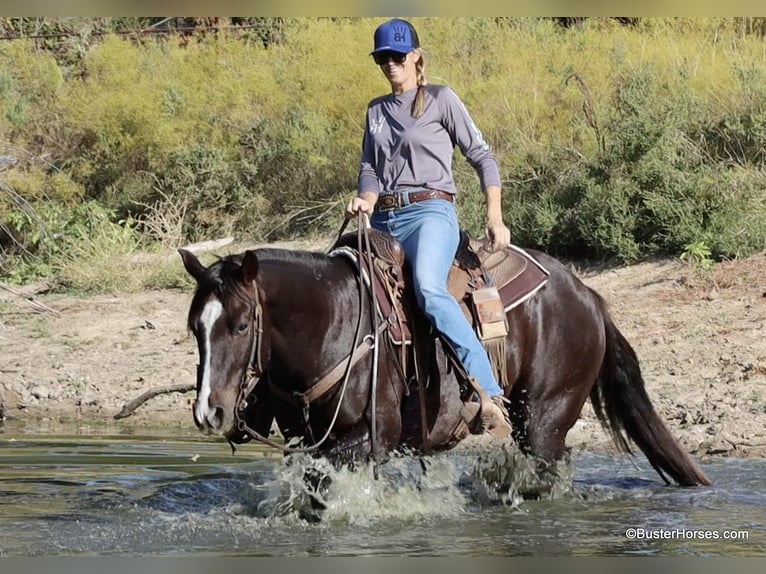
[429, 233]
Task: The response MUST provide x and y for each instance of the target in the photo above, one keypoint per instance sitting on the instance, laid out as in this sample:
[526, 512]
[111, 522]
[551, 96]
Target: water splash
[310, 488]
[500, 473]
[446, 485]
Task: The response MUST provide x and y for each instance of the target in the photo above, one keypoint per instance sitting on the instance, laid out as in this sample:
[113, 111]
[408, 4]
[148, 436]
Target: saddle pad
[525, 283]
[514, 272]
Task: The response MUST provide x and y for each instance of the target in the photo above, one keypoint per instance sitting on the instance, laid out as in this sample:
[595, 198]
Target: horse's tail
[622, 406]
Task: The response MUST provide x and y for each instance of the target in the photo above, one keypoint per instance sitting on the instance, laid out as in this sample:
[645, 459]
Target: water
[145, 495]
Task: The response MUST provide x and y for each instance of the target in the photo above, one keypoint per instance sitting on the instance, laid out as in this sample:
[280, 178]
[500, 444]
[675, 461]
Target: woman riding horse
[288, 334]
[405, 176]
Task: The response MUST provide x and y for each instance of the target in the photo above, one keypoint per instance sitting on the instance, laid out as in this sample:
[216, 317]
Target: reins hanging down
[256, 372]
[363, 232]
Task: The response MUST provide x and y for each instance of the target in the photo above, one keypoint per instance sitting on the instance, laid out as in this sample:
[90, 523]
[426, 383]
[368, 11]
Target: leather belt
[388, 201]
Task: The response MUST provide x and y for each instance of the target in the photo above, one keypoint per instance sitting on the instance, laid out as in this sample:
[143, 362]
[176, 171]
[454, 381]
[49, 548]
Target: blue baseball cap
[397, 36]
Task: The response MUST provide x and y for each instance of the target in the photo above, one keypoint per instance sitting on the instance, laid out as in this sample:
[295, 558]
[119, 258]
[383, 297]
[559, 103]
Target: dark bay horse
[293, 324]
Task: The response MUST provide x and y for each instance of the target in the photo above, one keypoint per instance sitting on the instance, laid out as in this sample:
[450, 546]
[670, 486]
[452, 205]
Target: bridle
[256, 371]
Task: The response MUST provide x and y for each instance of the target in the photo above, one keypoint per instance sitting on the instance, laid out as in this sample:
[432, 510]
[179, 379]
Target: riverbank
[700, 338]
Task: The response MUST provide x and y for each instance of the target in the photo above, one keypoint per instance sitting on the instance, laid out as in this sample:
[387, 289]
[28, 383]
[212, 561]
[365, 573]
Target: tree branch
[129, 408]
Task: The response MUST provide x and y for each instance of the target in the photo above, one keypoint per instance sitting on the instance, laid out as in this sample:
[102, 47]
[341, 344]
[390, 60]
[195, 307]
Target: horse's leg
[560, 343]
[545, 404]
[352, 442]
[351, 448]
[541, 422]
[354, 445]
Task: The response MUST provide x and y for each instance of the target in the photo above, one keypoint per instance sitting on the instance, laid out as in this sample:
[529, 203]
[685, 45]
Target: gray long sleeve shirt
[402, 153]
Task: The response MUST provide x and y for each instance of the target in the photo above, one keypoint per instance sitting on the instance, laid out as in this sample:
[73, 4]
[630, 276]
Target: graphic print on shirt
[480, 137]
[477, 132]
[376, 126]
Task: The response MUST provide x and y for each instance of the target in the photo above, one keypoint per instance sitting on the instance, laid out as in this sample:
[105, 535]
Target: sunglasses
[383, 57]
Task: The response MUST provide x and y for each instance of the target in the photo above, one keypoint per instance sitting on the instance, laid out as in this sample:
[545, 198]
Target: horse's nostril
[215, 419]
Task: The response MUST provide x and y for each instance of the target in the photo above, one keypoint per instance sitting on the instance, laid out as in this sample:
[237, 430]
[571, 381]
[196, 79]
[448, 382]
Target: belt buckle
[389, 201]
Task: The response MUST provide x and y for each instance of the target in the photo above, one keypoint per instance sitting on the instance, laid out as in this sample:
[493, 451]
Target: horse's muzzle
[211, 419]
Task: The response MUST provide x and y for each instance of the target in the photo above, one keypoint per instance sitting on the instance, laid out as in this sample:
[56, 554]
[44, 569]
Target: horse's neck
[312, 309]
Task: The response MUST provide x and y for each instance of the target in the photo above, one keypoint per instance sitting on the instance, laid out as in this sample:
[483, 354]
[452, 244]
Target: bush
[613, 141]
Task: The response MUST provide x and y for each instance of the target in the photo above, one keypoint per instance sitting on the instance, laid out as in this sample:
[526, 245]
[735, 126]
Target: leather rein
[256, 371]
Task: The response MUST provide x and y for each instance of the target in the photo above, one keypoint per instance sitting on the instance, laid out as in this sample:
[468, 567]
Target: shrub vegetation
[616, 142]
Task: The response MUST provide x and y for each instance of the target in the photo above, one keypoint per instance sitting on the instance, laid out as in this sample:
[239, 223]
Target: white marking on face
[210, 314]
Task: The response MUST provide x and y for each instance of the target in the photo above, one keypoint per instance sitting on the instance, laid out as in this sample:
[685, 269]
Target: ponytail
[419, 104]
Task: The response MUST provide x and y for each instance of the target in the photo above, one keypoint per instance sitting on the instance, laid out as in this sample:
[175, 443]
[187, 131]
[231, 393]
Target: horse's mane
[224, 276]
[289, 255]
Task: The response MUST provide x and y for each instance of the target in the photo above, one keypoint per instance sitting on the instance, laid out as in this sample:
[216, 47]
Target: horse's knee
[543, 427]
[543, 442]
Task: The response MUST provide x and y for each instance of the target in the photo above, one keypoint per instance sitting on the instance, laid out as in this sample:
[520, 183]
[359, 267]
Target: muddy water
[148, 495]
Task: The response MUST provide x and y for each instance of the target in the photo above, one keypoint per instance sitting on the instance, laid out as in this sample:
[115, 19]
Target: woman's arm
[497, 232]
[479, 154]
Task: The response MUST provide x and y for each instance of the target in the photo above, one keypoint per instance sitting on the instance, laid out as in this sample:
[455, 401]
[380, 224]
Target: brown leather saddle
[514, 273]
[487, 283]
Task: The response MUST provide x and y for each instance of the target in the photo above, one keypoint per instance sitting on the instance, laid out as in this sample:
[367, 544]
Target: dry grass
[746, 276]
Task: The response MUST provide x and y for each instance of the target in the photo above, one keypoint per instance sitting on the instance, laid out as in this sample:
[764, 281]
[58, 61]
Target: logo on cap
[396, 35]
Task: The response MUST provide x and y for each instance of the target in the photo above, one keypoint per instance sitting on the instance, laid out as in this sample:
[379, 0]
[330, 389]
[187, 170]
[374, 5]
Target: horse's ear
[249, 266]
[192, 264]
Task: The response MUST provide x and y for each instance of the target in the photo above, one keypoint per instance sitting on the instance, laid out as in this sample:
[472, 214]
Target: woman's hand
[498, 233]
[363, 203]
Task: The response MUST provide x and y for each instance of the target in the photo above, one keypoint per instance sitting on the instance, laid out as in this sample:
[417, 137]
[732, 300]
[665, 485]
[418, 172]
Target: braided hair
[419, 103]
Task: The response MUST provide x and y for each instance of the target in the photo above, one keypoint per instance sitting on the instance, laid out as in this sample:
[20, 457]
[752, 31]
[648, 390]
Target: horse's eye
[241, 328]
